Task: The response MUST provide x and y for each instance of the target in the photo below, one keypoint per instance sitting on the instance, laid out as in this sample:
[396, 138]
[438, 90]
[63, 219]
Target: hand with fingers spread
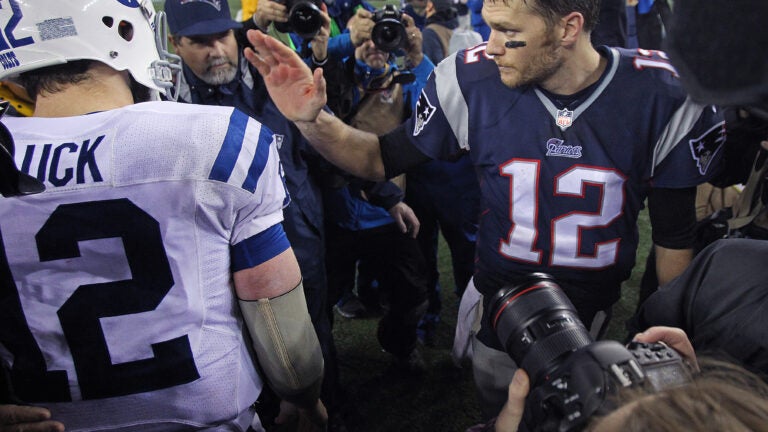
[19, 418]
[298, 93]
[268, 11]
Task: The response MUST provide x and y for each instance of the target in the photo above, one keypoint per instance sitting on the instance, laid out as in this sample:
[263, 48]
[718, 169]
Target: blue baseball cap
[199, 17]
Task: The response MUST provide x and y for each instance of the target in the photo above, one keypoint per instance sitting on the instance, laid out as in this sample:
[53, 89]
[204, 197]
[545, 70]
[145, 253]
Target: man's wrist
[319, 62]
[263, 26]
[415, 59]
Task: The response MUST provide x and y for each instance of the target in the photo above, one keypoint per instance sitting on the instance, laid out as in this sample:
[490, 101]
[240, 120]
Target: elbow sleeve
[286, 345]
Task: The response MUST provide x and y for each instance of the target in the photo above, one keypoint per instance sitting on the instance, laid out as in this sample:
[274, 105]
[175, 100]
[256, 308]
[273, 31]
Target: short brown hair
[552, 10]
[52, 79]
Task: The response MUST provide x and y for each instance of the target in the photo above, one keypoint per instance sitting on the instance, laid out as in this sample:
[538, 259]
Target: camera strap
[750, 202]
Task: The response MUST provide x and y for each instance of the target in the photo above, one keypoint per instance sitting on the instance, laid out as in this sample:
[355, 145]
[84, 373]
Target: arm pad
[286, 345]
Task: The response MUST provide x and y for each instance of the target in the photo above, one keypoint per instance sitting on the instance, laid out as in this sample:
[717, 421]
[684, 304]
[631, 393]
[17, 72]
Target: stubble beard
[539, 69]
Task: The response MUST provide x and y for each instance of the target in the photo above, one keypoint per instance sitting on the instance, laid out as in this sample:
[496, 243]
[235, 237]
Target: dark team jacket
[720, 301]
[561, 190]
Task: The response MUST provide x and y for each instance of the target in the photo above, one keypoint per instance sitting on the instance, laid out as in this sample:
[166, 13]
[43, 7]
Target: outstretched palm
[298, 93]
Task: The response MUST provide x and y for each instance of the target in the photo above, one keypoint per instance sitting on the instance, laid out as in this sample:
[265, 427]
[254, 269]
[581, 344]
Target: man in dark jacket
[442, 20]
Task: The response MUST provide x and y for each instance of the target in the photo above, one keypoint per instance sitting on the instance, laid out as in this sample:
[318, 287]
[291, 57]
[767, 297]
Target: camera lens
[388, 35]
[305, 19]
[537, 324]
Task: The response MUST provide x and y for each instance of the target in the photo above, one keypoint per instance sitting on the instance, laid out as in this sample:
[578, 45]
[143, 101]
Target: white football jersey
[117, 308]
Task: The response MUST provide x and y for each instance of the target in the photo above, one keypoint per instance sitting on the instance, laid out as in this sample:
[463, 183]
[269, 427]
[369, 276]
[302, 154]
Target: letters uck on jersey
[63, 164]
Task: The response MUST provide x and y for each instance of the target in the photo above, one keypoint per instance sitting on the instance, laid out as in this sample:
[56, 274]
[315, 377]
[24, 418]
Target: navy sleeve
[398, 154]
[673, 217]
[383, 194]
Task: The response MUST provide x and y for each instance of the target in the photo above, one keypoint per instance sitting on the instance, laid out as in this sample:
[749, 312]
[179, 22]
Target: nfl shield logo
[564, 118]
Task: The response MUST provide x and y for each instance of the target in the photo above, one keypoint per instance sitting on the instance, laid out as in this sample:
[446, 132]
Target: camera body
[388, 33]
[304, 18]
[572, 376]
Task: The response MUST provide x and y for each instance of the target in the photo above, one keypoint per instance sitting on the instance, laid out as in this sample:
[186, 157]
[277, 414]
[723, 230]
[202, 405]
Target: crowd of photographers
[375, 69]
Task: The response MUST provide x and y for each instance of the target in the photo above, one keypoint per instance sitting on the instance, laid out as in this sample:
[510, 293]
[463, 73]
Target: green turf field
[443, 400]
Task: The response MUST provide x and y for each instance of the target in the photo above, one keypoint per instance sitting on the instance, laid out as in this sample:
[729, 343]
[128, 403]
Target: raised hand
[298, 93]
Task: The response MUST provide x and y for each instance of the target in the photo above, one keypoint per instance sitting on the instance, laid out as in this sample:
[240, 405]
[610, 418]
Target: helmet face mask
[127, 35]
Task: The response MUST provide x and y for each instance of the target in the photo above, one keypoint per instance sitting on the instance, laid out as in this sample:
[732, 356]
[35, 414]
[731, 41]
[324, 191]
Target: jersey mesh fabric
[137, 184]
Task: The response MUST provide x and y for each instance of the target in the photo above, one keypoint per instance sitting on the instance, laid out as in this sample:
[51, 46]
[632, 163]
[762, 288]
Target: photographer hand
[512, 413]
[320, 41]
[674, 338]
[415, 41]
[268, 11]
[360, 26]
[18, 418]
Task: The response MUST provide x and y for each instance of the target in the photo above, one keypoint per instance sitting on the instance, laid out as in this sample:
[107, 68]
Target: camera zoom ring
[546, 350]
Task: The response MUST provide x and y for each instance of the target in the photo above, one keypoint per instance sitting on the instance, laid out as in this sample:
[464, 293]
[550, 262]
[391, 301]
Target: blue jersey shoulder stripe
[259, 160]
[230, 148]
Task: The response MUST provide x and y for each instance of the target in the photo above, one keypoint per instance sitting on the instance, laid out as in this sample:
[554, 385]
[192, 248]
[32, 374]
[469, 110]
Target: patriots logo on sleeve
[424, 112]
[278, 140]
[704, 148]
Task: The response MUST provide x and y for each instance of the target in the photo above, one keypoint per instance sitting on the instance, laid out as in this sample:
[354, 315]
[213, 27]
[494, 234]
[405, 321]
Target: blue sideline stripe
[230, 148]
[259, 160]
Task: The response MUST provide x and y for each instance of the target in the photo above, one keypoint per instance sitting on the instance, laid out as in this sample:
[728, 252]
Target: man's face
[372, 56]
[212, 58]
[533, 63]
[418, 4]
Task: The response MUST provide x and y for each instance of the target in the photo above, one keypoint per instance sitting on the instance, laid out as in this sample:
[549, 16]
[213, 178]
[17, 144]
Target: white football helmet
[123, 34]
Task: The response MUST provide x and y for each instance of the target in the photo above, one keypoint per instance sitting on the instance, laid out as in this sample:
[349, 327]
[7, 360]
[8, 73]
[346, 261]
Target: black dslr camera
[304, 18]
[572, 376]
[388, 33]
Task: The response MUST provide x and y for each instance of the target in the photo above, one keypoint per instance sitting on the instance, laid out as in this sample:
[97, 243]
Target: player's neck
[583, 67]
[105, 89]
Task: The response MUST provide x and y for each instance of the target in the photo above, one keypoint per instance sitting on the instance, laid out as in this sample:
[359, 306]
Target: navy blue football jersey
[561, 189]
